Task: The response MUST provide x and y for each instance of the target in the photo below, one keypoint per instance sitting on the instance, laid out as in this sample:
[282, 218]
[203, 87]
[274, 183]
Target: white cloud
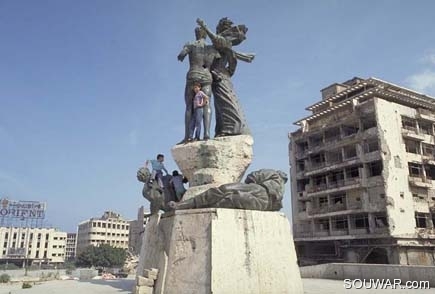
[423, 82]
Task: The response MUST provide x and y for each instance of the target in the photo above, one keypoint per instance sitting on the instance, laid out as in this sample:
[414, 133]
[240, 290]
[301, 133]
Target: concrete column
[372, 223]
[359, 151]
[330, 226]
[312, 227]
[346, 201]
[423, 171]
[429, 223]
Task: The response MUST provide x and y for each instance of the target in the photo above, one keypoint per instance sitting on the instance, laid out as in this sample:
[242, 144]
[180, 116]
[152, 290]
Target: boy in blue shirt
[157, 167]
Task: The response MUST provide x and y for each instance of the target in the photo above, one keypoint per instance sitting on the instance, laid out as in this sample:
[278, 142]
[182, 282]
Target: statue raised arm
[230, 119]
[201, 57]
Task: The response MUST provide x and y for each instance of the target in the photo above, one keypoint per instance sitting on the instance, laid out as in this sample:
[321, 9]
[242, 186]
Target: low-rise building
[32, 245]
[110, 229]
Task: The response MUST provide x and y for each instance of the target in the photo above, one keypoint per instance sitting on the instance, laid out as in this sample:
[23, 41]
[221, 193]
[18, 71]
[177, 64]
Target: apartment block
[71, 244]
[23, 245]
[362, 176]
[110, 229]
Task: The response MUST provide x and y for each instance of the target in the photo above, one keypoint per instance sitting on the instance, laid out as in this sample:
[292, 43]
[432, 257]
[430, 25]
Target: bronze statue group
[210, 70]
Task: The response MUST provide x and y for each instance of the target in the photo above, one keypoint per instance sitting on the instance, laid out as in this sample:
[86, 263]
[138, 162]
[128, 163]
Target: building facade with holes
[111, 228]
[363, 176]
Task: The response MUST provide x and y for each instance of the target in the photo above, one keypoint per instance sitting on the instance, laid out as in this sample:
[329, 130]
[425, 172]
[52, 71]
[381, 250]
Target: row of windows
[39, 236]
[37, 254]
[109, 226]
[108, 234]
[109, 242]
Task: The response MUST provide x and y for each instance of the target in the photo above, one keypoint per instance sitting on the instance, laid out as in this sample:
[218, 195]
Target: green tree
[103, 255]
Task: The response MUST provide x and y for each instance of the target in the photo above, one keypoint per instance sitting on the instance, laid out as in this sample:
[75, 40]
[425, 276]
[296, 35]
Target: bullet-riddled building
[110, 229]
[363, 176]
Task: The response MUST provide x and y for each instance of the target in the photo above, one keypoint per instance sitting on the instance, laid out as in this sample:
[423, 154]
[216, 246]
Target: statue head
[274, 182]
[200, 33]
[143, 175]
[224, 24]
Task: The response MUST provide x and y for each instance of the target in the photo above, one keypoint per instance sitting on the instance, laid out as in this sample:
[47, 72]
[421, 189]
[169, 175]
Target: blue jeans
[195, 123]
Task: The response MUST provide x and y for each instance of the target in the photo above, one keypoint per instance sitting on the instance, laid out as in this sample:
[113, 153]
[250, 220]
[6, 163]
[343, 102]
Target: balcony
[412, 133]
[426, 115]
[420, 181]
[338, 185]
[334, 208]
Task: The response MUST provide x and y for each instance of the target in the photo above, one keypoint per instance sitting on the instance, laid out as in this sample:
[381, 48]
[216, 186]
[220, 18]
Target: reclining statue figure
[262, 190]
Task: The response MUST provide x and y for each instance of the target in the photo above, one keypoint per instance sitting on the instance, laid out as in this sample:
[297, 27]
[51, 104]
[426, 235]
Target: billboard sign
[22, 209]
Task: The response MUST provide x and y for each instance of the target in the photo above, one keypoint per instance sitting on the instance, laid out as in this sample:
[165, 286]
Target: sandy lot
[119, 286]
[124, 286]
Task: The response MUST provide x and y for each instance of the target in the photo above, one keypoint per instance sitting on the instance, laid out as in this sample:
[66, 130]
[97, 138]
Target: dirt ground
[124, 286]
[118, 286]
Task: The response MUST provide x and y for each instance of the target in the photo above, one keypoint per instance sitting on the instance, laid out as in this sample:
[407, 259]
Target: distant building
[137, 228]
[32, 245]
[71, 244]
[362, 172]
[110, 229]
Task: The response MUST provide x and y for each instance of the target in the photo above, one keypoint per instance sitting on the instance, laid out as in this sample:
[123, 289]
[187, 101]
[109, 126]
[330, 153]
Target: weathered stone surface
[150, 273]
[214, 162]
[221, 251]
[143, 290]
[144, 281]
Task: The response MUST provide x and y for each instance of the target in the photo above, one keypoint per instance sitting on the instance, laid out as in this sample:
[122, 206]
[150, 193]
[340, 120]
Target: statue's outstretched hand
[200, 22]
[172, 204]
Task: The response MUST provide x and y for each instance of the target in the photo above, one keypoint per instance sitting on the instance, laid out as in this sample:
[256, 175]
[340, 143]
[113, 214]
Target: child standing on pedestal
[199, 101]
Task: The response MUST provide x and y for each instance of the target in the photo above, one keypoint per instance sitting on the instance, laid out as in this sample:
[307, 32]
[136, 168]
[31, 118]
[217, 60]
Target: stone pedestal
[214, 162]
[221, 251]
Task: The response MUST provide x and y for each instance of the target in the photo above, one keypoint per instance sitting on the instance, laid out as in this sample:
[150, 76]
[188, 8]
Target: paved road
[124, 286]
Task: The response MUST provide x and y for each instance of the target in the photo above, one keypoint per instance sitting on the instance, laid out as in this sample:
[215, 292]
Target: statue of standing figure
[230, 119]
[201, 57]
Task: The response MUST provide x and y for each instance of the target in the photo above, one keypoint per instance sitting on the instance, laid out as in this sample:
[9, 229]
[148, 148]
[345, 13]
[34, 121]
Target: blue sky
[91, 89]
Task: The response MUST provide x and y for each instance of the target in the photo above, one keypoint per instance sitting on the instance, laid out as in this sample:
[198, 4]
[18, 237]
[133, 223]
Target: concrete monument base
[220, 251]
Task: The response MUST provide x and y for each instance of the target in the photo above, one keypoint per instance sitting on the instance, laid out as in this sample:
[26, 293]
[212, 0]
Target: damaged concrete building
[363, 176]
